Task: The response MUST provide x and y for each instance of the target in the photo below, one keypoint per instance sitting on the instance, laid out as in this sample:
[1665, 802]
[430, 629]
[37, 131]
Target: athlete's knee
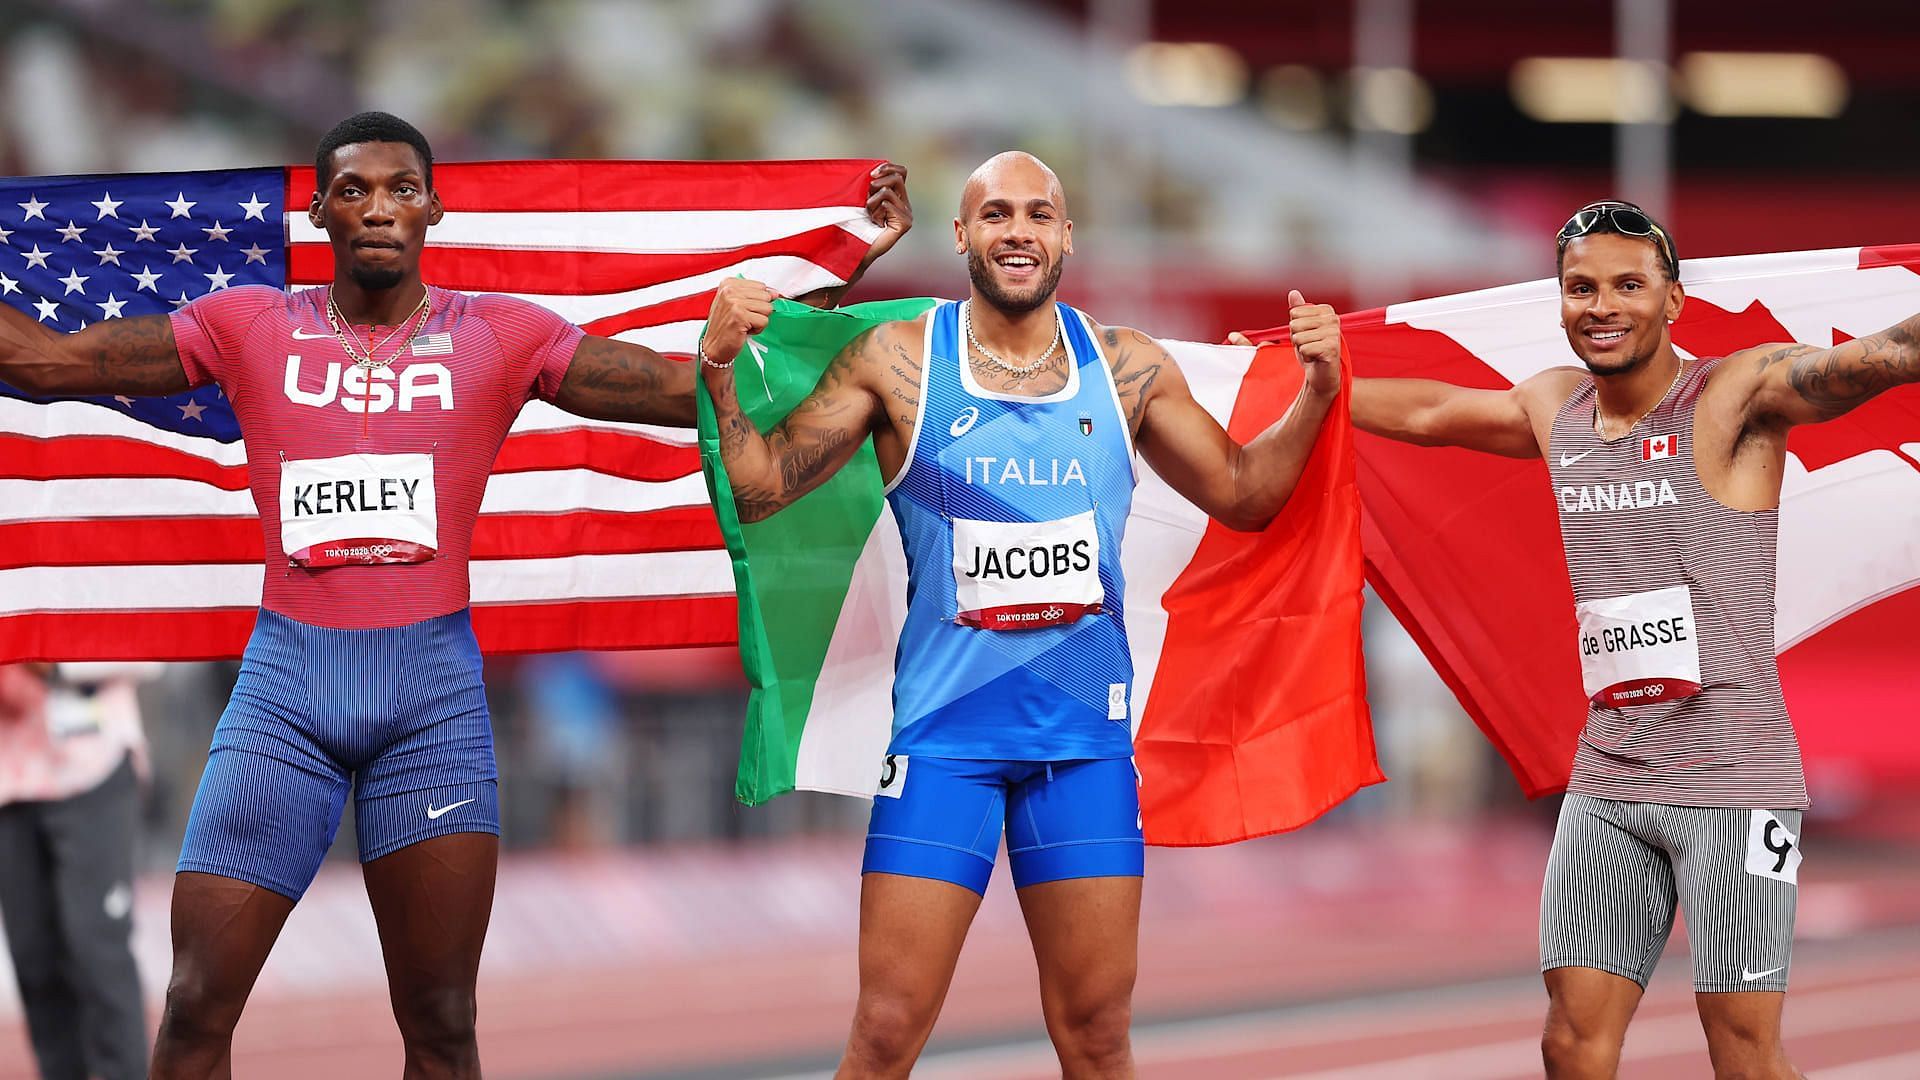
[1571, 1052]
[1094, 1037]
[198, 1008]
[439, 1021]
[888, 1031]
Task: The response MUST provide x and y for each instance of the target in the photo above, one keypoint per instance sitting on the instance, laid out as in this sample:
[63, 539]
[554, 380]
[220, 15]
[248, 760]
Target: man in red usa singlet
[1687, 787]
[372, 411]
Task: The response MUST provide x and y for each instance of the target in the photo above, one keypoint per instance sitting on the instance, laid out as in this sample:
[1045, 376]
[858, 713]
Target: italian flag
[1250, 700]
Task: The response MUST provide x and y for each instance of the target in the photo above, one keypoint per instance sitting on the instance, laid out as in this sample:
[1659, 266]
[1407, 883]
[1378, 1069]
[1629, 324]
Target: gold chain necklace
[1019, 371]
[364, 358]
[1599, 427]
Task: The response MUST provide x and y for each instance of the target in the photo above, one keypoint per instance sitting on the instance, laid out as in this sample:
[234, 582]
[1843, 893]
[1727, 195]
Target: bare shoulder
[1142, 368]
[885, 355]
[1545, 391]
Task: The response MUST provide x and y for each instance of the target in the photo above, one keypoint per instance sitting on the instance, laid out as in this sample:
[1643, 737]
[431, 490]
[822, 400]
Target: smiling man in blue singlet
[1007, 426]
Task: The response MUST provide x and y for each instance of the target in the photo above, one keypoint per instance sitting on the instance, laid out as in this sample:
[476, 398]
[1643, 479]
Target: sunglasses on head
[1623, 219]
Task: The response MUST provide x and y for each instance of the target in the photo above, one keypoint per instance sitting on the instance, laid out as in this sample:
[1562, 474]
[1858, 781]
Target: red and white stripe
[118, 540]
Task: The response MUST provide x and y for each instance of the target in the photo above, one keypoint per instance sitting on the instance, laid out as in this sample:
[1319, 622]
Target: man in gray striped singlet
[1687, 787]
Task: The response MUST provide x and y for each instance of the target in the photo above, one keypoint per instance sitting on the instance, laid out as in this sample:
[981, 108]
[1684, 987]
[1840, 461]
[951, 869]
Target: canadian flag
[1657, 447]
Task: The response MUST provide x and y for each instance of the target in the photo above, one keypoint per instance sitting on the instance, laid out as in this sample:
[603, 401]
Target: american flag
[127, 529]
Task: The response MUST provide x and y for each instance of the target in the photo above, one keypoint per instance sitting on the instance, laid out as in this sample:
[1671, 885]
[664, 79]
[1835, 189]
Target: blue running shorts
[942, 818]
[399, 713]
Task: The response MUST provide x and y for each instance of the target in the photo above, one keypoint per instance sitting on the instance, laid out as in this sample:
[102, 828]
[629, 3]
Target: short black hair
[1660, 238]
[369, 127]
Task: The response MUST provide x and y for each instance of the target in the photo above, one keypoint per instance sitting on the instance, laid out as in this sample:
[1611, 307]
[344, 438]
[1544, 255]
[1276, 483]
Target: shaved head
[1012, 168]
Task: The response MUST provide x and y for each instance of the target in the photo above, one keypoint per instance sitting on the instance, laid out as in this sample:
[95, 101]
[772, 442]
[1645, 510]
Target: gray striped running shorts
[1618, 869]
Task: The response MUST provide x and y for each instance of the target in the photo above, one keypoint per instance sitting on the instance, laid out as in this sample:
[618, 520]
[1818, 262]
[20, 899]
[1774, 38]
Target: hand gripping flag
[1246, 646]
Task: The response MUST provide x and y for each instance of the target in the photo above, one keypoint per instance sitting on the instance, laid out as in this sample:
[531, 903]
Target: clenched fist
[741, 307]
[1315, 330]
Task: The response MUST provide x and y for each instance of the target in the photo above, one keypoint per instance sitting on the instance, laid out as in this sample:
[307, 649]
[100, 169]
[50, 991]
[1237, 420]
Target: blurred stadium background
[1216, 154]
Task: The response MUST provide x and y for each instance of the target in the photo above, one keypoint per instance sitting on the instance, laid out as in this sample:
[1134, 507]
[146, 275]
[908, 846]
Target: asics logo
[433, 812]
[963, 423]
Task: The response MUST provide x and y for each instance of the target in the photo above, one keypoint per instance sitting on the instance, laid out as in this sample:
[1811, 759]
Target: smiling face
[1616, 301]
[375, 210]
[1014, 231]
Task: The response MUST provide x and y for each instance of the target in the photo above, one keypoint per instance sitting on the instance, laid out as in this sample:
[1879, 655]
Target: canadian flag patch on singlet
[1639, 648]
[358, 510]
[1021, 575]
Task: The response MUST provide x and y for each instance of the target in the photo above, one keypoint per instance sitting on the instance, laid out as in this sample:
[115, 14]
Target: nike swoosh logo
[1566, 461]
[433, 813]
[1749, 976]
[302, 335]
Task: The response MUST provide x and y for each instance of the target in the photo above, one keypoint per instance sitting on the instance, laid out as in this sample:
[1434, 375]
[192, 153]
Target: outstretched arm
[768, 472]
[1801, 384]
[136, 357]
[1243, 487]
[1432, 413]
[615, 380]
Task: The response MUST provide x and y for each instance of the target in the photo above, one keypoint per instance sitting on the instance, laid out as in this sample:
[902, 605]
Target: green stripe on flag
[791, 571]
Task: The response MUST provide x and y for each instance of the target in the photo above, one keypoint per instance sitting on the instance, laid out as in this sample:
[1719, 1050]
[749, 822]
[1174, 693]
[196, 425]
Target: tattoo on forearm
[135, 356]
[1838, 379]
[613, 380]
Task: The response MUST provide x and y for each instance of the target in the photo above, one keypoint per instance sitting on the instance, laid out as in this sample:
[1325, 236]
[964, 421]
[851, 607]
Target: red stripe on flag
[221, 633]
[684, 309]
[606, 624]
[91, 457]
[1274, 734]
[616, 453]
[589, 272]
[175, 541]
[550, 186]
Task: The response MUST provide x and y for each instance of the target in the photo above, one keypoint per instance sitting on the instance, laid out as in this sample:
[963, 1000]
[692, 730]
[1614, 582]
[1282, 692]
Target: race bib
[358, 510]
[1021, 575]
[1639, 649]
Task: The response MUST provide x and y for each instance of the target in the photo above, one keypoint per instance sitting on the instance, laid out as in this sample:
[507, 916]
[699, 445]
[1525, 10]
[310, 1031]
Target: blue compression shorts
[399, 713]
[942, 818]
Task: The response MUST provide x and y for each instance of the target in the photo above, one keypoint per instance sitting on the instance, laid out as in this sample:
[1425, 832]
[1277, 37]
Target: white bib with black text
[1020, 575]
[1639, 648]
[358, 510]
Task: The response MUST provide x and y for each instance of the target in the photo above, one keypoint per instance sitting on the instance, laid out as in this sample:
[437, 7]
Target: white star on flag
[148, 280]
[183, 253]
[47, 309]
[108, 206]
[192, 410]
[218, 279]
[4, 233]
[218, 232]
[109, 254]
[8, 286]
[34, 207]
[182, 301]
[256, 253]
[36, 257]
[112, 307]
[124, 400]
[72, 232]
[181, 204]
[75, 281]
[144, 231]
[256, 210]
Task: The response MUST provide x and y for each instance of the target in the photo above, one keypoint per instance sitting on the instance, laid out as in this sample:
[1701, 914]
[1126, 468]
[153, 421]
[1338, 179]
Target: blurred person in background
[1007, 424]
[363, 673]
[71, 755]
[1687, 788]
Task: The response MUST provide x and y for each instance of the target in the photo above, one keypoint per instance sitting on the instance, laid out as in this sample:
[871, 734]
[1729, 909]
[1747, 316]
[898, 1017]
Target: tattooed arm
[1241, 486]
[613, 380]
[136, 357]
[1801, 384]
[770, 471]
